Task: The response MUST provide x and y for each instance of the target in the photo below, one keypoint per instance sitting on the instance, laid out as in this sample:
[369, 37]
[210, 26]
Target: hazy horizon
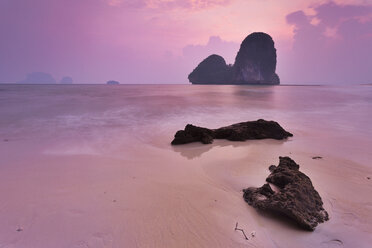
[161, 42]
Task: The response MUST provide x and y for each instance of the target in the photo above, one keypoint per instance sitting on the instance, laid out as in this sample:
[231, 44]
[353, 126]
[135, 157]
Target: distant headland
[38, 78]
[255, 63]
[112, 82]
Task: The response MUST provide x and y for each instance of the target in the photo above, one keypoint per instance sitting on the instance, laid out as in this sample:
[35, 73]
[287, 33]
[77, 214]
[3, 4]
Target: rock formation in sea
[256, 60]
[112, 82]
[255, 63]
[250, 130]
[38, 78]
[212, 70]
[66, 80]
[292, 195]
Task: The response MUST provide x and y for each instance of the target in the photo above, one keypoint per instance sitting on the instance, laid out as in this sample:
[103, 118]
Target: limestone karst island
[255, 63]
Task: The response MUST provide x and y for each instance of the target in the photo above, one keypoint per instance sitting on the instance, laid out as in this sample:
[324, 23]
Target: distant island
[255, 63]
[66, 80]
[43, 78]
[112, 82]
[38, 78]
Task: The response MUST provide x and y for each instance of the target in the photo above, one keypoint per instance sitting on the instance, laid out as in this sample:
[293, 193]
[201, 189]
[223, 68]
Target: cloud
[95, 40]
[215, 45]
[336, 47]
[332, 14]
[169, 4]
[173, 68]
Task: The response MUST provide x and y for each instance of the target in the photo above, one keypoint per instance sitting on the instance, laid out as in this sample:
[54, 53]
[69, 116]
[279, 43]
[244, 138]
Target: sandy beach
[92, 166]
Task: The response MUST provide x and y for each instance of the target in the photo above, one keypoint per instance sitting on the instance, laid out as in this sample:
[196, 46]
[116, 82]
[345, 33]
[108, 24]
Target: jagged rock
[256, 60]
[249, 130]
[193, 134]
[275, 79]
[295, 196]
[112, 82]
[255, 63]
[212, 70]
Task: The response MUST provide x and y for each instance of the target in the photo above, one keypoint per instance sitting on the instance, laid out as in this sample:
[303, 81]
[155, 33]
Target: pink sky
[161, 41]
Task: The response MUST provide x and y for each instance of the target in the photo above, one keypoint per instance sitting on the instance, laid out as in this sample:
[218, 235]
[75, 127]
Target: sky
[161, 41]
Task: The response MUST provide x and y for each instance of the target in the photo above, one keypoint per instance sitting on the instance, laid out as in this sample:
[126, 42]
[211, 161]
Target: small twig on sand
[317, 157]
[238, 229]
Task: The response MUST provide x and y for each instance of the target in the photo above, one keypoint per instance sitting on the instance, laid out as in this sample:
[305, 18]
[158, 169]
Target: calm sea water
[100, 117]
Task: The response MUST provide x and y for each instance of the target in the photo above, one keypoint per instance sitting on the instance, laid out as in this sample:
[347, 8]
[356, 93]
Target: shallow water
[94, 163]
[92, 114]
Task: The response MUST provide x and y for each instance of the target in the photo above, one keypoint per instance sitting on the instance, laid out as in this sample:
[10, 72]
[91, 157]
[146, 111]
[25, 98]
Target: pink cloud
[169, 4]
[215, 45]
[96, 40]
[336, 49]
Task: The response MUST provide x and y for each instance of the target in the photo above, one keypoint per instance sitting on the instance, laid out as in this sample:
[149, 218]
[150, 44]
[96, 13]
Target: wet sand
[106, 184]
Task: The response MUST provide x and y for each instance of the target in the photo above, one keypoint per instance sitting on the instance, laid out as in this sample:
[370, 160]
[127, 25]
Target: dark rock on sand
[193, 134]
[249, 130]
[295, 196]
[272, 168]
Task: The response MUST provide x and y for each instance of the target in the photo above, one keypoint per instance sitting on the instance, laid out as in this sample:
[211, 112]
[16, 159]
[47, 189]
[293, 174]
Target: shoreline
[88, 166]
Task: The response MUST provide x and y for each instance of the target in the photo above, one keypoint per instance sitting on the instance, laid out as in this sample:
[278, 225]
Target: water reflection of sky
[148, 112]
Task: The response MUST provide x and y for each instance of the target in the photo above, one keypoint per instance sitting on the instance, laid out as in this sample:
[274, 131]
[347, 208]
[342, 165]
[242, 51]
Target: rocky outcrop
[255, 63]
[212, 70]
[292, 195]
[256, 60]
[38, 78]
[112, 82]
[66, 80]
[250, 130]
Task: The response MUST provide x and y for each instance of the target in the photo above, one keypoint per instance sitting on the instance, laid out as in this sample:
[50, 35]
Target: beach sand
[77, 178]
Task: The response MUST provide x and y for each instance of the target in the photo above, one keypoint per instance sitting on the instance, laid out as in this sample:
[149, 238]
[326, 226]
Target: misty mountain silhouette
[112, 82]
[66, 80]
[38, 78]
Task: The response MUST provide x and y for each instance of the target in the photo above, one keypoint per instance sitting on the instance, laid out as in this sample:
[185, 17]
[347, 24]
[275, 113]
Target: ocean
[152, 113]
